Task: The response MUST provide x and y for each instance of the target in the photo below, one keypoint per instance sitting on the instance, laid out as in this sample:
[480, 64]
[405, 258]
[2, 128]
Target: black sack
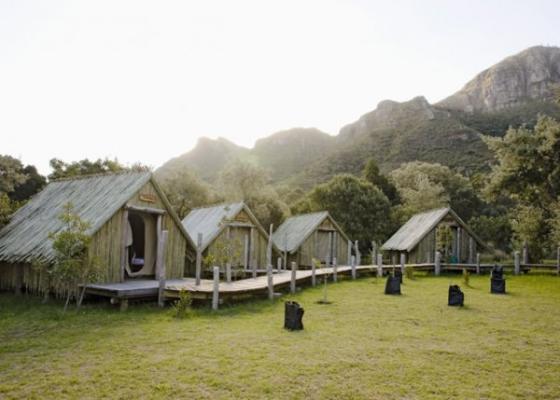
[293, 315]
[497, 286]
[393, 285]
[497, 272]
[456, 296]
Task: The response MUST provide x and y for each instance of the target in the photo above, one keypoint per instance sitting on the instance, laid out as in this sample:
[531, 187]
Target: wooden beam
[160, 266]
[198, 259]
[149, 210]
[124, 252]
[216, 288]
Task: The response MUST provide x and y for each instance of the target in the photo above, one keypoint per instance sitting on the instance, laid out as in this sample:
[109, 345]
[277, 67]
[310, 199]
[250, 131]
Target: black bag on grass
[293, 315]
[393, 285]
[398, 274]
[456, 296]
[497, 281]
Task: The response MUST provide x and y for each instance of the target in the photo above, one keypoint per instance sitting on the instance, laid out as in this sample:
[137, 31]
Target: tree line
[514, 203]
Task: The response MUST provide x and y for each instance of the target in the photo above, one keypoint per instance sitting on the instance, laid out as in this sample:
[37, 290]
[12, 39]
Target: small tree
[72, 265]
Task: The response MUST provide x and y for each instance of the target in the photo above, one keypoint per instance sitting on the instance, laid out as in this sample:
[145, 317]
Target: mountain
[207, 158]
[533, 74]
[511, 93]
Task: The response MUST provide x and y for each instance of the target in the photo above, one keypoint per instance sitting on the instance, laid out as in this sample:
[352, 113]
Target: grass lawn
[363, 346]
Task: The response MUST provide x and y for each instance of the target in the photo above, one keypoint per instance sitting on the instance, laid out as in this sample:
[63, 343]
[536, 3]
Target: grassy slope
[365, 345]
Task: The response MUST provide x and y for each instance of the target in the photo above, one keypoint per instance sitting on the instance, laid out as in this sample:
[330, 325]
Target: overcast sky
[142, 80]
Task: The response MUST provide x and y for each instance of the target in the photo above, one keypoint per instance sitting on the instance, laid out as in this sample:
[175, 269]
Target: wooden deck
[135, 289]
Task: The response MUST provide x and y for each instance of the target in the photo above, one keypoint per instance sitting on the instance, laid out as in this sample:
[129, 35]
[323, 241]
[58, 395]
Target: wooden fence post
[525, 253]
[516, 263]
[160, 267]
[228, 272]
[269, 247]
[349, 252]
[358, 255]
[335, 270]
[403, 261]
[380, 265]
[269, 281]
[478, 263]
[471, 250]
[198, 259]
[216, 289]
[313, 276]
[353, 266]
[373, 252]
[437, 264]
[293, 278]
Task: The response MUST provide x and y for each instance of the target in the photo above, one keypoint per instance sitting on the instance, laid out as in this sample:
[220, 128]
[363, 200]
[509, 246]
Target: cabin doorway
[141, 245]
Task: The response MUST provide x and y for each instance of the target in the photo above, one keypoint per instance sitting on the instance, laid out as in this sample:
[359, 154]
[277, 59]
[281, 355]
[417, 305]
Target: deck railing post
[313, 276]
[516, 263]
[228, 272]
[216, 289]
[198, 259]
[335, 270]
[161, 267]
[293, 278]
[525, 253]
[403, 266]
[358, 255]
[270, 282]
[437, 264]
[478, 263]
[246, 253]
[285, 264]
[353, 266]
[379, 265]
[279, 264]
[349, 252]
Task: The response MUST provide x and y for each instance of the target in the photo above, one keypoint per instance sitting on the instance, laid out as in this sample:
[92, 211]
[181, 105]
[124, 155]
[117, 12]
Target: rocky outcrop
[532, 74]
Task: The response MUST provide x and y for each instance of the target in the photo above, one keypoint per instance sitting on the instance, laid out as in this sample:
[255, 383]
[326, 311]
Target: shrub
[182, 306]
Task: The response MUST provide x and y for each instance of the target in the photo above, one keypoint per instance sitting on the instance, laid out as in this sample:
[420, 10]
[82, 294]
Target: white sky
[142, 80]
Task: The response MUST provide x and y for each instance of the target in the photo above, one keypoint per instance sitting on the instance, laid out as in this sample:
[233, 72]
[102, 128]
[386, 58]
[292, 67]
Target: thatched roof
[418, 226]
[211, 221]
[295, 230]
[96, 198]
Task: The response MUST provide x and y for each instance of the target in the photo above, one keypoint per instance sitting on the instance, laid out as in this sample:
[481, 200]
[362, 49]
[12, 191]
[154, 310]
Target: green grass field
[363, 346]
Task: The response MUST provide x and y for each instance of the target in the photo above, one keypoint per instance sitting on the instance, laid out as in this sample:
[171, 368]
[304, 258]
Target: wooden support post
[478, 263]
[285, 265]
[160, 266]
[269, 247]
[335, 270]
[293, 278]
[459, 247]
[198, 259]
[516, 263]
[525, 253]
[313, 275]
[353, 266]
[246, 253]
[329, 251]
[349, 252]
[216, 289]
[373, 252]
[471, 250]
[124, 249]
[437, 264]
[252, 253]
[335, 245]
[379, 265]
[279, 263]
[123, 305]
[270, 282]
[403, 266]
[358, 255]
[228, 272]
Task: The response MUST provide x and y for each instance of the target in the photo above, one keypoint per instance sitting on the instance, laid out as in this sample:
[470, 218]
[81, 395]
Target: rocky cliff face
[532, 74]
